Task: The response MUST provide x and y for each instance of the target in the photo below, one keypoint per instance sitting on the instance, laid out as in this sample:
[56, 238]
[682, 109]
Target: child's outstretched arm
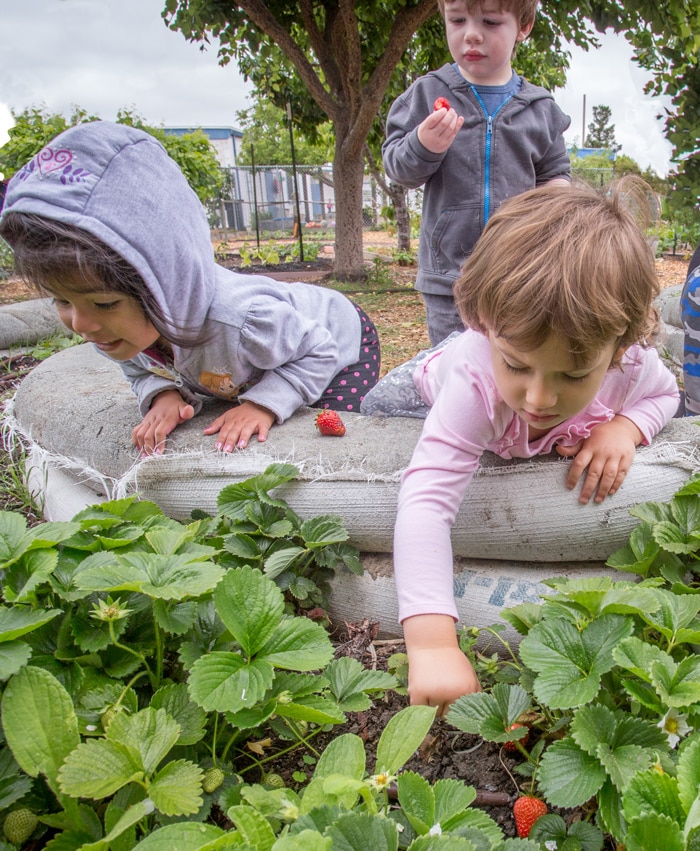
[168, 410]
[239, 424]
[438, 671]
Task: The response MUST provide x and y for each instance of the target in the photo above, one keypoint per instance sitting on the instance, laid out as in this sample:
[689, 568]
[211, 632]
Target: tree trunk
[348, 176]
[399, 198]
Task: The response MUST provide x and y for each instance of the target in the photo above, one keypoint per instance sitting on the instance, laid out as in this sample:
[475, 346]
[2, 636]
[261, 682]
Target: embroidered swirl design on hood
[50, 160]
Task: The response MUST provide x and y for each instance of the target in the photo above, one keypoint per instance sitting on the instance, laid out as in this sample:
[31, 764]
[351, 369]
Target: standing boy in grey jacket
[496, 137]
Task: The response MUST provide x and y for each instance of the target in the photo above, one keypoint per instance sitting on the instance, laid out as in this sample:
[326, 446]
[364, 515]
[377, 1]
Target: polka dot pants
[349, 386]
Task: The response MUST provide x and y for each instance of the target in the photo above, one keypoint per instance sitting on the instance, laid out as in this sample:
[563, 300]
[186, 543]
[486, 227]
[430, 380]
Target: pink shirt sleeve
[433, 487]
[467, 418]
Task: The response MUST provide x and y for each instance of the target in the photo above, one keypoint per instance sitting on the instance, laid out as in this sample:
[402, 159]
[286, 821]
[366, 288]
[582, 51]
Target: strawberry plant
[608, 677]
[142, 656]
[254, 527]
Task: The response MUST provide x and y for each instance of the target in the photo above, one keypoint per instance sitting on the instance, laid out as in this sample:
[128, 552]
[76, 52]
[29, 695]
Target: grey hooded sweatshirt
[273, 343]
[492, 158]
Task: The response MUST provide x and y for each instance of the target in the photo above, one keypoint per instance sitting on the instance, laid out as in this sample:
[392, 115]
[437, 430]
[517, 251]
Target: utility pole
[583, 126]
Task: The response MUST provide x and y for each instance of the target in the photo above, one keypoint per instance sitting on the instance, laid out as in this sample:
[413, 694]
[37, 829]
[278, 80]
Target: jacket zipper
[487, 152]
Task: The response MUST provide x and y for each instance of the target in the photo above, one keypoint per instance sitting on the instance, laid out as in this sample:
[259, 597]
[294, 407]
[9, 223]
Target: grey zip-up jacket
[274, 343]
[520, 147]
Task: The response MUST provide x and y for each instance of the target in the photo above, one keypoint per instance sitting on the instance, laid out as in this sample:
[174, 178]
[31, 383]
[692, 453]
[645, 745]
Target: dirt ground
[397, 310]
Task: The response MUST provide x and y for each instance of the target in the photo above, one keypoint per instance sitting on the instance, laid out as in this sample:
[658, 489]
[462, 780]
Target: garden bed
[446, 753]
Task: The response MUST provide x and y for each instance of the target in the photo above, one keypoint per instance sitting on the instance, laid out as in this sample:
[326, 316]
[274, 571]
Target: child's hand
[438, 671]
[239, 424]
[437, 132]
[608, 454]
[168, 410]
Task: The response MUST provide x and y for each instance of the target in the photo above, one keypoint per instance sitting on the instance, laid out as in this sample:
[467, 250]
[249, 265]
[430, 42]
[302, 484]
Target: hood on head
[118, 183]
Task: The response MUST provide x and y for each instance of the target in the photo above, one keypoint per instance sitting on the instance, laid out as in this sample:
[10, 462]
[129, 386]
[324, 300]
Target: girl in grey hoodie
[104, 221]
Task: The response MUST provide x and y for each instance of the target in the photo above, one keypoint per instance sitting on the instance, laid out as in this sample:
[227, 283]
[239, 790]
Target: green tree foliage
[683, 132]
[266, 128]
[601, 133]
[35, 127]
[339, 60]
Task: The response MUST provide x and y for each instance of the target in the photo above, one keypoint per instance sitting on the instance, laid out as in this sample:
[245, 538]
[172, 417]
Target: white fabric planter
[518, 524]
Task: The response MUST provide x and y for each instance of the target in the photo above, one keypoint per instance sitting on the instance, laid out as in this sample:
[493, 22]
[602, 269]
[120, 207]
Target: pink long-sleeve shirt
[468, 417]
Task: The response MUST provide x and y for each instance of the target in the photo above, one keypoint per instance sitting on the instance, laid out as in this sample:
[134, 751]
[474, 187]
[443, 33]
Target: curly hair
[564, 260]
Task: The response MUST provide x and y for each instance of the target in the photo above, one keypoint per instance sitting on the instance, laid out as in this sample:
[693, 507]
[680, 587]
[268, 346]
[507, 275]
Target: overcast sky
[103, 55]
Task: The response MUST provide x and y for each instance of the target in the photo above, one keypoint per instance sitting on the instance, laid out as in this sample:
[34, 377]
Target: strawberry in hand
[441, 103]
[329, 423]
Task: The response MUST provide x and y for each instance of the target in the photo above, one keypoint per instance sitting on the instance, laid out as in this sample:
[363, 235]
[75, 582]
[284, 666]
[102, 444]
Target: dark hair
[55, 257]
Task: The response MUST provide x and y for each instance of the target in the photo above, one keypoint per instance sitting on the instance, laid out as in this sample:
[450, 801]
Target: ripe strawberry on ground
[329, 423]
[441, 103]
[19, 826]
[511, 747]
[526, 811]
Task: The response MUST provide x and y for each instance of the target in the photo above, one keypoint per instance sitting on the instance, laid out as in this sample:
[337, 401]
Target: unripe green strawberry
[274, 781]
[109, 713]
[19, 826]
[213, 778]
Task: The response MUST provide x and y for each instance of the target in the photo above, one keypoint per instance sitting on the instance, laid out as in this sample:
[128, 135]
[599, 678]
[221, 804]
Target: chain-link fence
[268, 200]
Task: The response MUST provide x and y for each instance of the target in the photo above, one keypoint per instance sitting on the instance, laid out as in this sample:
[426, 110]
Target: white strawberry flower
[674, 726]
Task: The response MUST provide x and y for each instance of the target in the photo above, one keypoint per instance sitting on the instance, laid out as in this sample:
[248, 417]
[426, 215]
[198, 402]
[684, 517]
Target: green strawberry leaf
[298, 644]
[174, 699]
[186, 836]
[652, 792]
[568, 776]
[250, 605]
[16, 621]
[654, 830]
[417, 801]
[402, 736]
[322, 531]
[98, 768]
[159, 576]
[176, 790]
[689, 773]
[253, 827]
[39, 722]
[570, 662]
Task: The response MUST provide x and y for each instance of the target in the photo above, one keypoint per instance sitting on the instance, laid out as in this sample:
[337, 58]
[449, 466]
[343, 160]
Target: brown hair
[524, 10]
[564, 260]
[54, 257]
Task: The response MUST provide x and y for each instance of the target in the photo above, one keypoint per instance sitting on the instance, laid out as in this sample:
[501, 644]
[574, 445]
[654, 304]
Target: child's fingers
[185, 412]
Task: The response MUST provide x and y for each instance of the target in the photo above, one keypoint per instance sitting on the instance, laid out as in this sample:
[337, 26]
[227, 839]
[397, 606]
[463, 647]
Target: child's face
[545, 386]
[482, 41]
[115, 323]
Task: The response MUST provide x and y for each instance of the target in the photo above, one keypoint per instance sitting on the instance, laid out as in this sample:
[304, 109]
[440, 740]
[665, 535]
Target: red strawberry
[441, 103]
[329, 423]
[526, 811]
[511, 747]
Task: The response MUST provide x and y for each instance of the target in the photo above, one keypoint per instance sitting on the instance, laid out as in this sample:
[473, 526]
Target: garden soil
[446, 752]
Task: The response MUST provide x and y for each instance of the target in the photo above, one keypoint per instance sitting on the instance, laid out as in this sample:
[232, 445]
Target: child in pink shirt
[558, 299]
